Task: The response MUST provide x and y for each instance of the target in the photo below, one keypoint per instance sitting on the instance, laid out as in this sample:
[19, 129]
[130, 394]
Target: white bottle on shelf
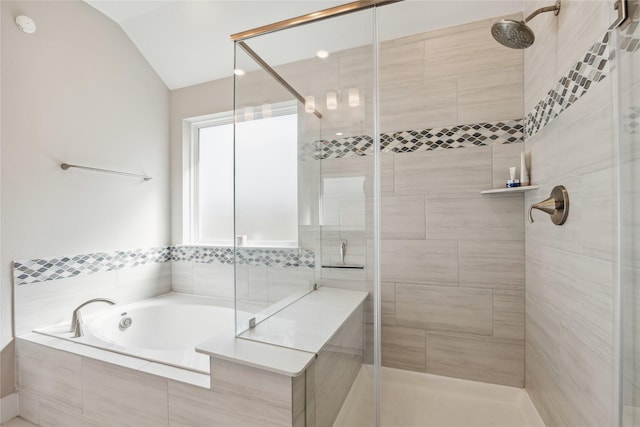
[524, 171]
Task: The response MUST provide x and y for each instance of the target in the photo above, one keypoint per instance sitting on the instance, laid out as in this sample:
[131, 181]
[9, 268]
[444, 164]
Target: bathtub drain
[125, 322]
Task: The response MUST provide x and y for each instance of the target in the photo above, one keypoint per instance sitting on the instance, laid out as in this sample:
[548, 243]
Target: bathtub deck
[287, 342]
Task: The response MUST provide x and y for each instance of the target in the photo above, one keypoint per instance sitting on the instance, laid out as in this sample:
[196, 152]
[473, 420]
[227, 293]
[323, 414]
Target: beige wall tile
[503, 157]
[29, 408]
[401, 63]
[141, 400]
[420, 261]
[196, 407]
[468, 52]
[387, 174]
[403, 217]
[404, 348]
[586, 133]
[492, 264]
[598, 206]
[580, 24]
[55, 416]
[298, 396]
[143, 281]
[356, 66]
[213, 279]
[496, 95]
[540, 58]
[487, 218]
[508, 314]
[252, 383]
[495, 360]
[49, 373]
[445, 173]
[580, 287]
[442, 308]
[588, 380]
[418, 105]
[388, 299]
[543, 149]
[547, 396]
[182, 276]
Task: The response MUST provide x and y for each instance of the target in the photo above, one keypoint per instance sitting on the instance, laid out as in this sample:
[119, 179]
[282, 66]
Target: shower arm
[555, 8]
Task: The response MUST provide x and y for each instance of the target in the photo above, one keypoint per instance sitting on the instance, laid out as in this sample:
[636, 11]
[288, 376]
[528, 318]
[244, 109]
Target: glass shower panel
[271, 268]
[316, 84]
[322, 74]
[628, 54]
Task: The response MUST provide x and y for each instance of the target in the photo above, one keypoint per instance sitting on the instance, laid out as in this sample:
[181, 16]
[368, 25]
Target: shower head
[513, 34]
[517, 34]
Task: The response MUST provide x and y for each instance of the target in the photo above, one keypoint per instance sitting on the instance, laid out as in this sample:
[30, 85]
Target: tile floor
[18, 422]
[413, 399]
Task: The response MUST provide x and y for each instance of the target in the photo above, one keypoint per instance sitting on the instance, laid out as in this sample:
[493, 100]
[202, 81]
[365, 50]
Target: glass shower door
[304, 111]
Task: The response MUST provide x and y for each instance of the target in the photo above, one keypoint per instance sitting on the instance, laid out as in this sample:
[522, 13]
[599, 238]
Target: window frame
[191, 137]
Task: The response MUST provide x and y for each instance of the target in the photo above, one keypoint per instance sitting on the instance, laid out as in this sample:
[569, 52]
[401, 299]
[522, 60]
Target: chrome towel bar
[67, 166]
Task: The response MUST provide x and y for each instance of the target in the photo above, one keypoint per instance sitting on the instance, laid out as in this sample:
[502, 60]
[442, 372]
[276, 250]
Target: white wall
[78, 91]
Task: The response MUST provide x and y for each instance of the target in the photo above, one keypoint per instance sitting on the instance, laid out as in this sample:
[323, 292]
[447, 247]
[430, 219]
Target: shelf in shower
[520, 189]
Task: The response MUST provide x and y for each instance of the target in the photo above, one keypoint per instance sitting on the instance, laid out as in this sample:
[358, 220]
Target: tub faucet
[76, 318]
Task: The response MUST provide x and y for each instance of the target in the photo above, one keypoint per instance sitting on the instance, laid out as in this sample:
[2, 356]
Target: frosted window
[266, 182]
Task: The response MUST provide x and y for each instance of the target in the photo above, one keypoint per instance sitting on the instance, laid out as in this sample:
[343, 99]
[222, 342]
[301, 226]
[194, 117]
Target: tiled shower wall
[570, 269]
[452, 259]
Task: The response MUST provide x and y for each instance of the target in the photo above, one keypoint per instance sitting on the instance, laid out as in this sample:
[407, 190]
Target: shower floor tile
[414, 399]
[18, 422]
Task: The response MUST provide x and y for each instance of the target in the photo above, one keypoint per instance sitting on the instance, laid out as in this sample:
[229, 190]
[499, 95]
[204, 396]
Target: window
[266, 179]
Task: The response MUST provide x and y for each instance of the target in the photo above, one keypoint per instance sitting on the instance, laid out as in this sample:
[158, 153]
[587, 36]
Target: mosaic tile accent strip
[469, 135]
[630, 37]
[631, 121]
[592, 68]
[46, 269]
[42, 270]
[257, 257]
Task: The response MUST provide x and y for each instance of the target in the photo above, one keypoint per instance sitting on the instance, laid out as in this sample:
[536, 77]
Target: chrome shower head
[516, 34]
[513, 34]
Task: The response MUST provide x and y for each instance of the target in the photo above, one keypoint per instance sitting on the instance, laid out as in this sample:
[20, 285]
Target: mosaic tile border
[45, 269]
[257, 257]
[630, 36]
[55, 268]
[592, 68]
[409, 141]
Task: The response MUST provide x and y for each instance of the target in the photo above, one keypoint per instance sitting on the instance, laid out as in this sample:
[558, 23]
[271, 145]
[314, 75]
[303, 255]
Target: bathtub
[164, 329]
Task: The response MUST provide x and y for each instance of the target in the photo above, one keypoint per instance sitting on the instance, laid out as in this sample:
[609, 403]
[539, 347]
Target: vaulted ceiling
[187, 42]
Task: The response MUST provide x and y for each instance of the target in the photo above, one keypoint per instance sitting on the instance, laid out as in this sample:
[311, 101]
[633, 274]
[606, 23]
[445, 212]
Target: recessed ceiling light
[338, 133]
[238, 72]
[322, 54]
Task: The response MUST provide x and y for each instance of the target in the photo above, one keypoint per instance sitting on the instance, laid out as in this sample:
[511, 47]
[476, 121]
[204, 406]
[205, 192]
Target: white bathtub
[164, 329]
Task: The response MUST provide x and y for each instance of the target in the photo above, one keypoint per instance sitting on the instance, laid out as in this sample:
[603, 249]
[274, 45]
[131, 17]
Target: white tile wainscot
[251, 383]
